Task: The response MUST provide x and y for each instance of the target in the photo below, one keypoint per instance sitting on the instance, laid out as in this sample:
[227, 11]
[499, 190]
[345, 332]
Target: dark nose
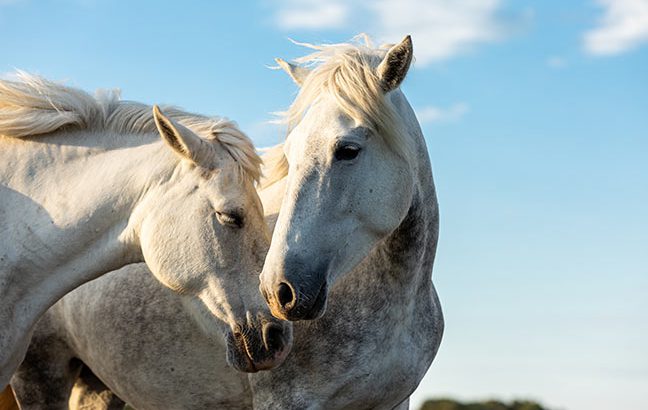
[285, 296]
[303, 304]
[273, 337]
[255, 346]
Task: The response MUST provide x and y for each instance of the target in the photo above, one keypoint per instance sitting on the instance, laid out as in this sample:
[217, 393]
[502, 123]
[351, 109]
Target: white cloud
[312, 14]
[556, 62]
[440, 28]
[431, 114]
[623, 27]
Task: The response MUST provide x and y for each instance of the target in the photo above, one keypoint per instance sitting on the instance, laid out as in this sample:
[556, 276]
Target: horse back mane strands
[31, 106]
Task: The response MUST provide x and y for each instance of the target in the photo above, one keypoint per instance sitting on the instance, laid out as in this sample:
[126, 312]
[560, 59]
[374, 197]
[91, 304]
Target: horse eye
[233, 220]
[346, 152]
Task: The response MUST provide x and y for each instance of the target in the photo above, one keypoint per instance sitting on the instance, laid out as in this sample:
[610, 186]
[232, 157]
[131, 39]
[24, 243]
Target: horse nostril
[285, 295]
[272, 336]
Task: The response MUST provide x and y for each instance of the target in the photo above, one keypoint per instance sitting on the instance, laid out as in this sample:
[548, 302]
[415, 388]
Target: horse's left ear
[182, 140]
[393, 69]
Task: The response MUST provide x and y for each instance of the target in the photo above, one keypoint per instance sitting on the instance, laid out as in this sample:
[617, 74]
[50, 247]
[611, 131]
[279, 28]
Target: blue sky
[536, 117]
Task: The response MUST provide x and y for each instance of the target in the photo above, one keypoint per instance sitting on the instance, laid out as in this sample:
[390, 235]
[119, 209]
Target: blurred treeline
[448, 404]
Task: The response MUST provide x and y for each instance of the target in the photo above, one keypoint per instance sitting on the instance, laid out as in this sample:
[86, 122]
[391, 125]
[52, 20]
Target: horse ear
[297, 73]
[181, 139]
[393, 69]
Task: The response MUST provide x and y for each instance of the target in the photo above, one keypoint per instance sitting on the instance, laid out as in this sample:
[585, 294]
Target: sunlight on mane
[347, 72]
[31, 105]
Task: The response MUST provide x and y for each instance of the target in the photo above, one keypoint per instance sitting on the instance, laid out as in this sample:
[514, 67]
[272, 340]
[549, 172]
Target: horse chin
[270, 363]
[319, 306]
[313, 312]
[245, 356]
[238, 356]
[243, 362]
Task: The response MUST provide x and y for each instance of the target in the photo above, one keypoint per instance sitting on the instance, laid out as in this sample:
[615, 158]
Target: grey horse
[355, 236]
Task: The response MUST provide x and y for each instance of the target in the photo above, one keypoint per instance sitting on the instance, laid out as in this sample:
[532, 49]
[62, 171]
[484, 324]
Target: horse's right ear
[393, 69]
[297, 73]
[182, 140]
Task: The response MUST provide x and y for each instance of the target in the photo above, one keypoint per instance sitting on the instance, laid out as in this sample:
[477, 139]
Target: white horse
[355, 236]
[383, 323]
[88, 186]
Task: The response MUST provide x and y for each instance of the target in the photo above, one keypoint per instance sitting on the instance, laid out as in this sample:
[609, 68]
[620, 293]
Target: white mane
[347, 72]
[32, 105]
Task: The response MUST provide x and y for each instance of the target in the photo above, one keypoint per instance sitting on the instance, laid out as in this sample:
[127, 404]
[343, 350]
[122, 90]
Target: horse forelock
[31, 106]
[346, 72]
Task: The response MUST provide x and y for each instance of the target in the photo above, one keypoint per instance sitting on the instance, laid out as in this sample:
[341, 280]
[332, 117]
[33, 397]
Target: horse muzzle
[289, 303]
[252, 348]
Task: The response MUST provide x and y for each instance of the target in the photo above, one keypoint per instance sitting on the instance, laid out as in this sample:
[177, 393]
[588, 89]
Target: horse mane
[275, 165]
[32, 106]
[347, 72]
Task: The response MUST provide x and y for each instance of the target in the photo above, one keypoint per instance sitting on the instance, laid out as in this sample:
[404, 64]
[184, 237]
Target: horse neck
[397, 272]
[107, 175]
[79, 211]
[401, 262]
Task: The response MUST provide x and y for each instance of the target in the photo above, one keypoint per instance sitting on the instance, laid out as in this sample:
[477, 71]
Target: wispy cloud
[556, 62]
[440, 28]
[312, 14]
[432, 114]
[624, 26]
